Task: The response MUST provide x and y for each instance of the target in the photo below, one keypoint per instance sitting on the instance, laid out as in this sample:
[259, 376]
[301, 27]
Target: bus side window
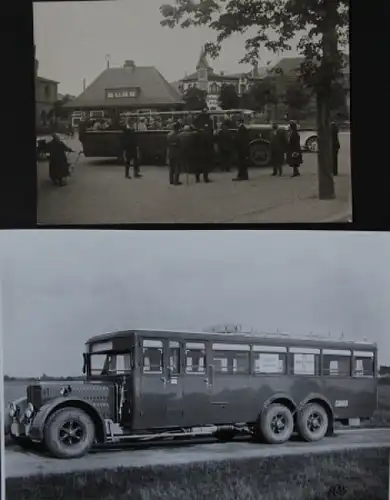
[336, 362]
[152, 356]
[269, 359]
[305, 361]
[195, 358]
[364, 364]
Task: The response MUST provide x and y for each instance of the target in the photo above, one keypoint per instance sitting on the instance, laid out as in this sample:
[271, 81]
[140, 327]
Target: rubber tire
[302, 417]
[263, 163]
[51, 430]
[265, 419]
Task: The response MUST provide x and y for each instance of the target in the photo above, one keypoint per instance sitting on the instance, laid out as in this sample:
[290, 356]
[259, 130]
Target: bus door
[173, 384]
[152, 389]
[196, 385]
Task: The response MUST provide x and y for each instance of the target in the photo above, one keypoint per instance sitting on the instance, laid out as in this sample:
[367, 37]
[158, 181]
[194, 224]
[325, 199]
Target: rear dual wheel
[312, 422]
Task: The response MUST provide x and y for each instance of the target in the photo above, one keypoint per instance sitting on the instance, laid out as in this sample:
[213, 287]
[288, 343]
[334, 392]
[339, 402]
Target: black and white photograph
[192, 111]
[196, 364]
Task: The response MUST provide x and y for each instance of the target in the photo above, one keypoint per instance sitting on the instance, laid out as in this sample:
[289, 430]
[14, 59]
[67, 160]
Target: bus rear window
[364, 364]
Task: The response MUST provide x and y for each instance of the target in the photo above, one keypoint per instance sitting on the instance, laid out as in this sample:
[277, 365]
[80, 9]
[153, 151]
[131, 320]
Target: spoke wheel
[69, 433]
[312, 144]
[276, 424]
[312, 422]
[260, 155]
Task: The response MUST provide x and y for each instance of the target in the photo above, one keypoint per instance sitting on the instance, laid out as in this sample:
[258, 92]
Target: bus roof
[184, 113]
[267, 338]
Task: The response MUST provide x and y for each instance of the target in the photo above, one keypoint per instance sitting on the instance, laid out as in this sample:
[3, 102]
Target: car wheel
[69, 433]
[312, 144]
[276, 424]
[312, 422]
[260, 154]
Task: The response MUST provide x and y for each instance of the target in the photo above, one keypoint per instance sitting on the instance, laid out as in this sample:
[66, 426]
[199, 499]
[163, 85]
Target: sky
[62, 287]
[73, 38]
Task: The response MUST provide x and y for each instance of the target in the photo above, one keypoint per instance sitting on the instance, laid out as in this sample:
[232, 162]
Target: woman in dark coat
[58, 163]
[294, 153]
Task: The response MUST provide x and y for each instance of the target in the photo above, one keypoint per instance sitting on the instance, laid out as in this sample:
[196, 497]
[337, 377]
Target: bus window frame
[316, 351]
[268, 349]
[328, 352]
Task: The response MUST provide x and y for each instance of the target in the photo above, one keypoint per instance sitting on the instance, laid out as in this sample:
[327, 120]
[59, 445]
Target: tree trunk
[326, 189]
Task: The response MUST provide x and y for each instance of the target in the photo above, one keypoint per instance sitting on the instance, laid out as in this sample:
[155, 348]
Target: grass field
[348, 475]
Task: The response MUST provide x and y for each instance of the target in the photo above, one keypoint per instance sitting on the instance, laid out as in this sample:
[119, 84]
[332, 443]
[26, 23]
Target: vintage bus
[153, 140]
[147, 384]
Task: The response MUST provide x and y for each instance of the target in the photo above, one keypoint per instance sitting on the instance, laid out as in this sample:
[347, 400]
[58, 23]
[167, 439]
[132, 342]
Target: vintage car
[142, 385]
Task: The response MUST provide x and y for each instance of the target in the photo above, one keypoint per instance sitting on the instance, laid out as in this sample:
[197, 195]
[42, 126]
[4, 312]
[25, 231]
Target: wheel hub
[278, 424]
[71, 433]
[314, 422]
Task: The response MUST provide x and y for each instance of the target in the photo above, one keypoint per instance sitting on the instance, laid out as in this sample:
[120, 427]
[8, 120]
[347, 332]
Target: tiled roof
[154, 89]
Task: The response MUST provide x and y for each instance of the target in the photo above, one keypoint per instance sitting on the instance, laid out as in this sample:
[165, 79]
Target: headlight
[29, 410]
[13, 410]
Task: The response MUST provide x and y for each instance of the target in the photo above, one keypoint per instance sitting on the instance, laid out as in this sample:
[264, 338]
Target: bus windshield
[110, 363]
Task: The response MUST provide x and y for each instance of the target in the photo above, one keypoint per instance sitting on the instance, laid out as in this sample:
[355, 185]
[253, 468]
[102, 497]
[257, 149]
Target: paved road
[20, 463]
[99, 193]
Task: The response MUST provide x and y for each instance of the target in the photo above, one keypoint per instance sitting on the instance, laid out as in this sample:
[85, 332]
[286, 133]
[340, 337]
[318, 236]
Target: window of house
[152, 356]
[174, 357]
[231, 358]
[336, 362]
[214, 88]
[364, 364]
[269, 359]
[305, 361]
[195, 357]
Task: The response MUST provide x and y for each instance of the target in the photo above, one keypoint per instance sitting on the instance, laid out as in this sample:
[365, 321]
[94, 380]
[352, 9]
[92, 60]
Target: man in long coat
[130, 151]
[173, 150]
[242, 146]
[278, 149]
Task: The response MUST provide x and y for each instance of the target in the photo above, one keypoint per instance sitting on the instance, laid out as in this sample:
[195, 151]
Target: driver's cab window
[111, 363]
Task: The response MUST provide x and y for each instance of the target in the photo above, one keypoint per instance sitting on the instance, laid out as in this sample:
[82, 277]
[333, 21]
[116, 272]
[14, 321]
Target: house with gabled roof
[205, 78]
[46, 94]
[129, 88]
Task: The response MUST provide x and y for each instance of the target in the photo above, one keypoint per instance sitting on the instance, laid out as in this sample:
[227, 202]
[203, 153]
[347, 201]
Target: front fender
[36, 431]
[259, 141]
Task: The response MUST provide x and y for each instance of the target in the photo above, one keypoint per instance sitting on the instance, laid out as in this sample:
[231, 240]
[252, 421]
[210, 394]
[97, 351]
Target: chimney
[84, 85]
[129, 64]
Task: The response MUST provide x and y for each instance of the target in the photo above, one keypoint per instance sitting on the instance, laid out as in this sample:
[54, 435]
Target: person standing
[224, 142]
[242, 145]
[294, 153]
[173, 140]
[58, 163]
[203, 153]
[278, 149]
[186, 150]
[130, 151]
[335, 147]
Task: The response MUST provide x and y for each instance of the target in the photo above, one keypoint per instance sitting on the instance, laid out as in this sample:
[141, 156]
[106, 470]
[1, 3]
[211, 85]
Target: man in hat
[278, 149]
[173, 149]
[242, 146]
[203, 153]
[130, 150]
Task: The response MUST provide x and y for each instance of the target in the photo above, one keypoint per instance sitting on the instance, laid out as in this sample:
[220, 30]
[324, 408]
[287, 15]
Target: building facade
[46, 94]
[205, 78]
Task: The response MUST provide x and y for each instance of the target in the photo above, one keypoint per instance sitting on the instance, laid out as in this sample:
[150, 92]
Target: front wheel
[312, 422]
[69, 433]
[260, 154]
[276, 424]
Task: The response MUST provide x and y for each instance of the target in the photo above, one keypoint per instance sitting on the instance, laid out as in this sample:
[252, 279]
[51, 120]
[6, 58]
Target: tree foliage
[296, 97]
[260, 95]
[228, 97]
[195, 99]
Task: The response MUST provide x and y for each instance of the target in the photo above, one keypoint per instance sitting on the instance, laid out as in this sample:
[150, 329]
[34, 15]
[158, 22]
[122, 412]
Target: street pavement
[98, 193]
[22, 463]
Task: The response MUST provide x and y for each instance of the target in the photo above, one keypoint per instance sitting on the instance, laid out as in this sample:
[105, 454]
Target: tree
[322, 30]
[296, 98]
[195, 99]
[228, 97]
